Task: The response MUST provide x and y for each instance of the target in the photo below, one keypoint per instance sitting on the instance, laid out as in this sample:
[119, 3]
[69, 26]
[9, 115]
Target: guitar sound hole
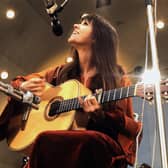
[54, 108]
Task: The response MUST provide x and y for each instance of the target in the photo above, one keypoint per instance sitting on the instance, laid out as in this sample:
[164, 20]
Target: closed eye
[85, 22]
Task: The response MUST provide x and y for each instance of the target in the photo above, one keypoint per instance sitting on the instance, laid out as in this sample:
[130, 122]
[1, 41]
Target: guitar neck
[103, 97]
[117, 94]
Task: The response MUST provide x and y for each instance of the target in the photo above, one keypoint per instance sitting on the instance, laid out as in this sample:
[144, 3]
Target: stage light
[101, 3]
[160, 24]
[150, 76]
[69, 59]
[10, 14]
[4, 75]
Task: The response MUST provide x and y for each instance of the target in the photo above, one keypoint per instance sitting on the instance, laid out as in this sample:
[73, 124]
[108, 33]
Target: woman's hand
[34, 85]
[89, 104]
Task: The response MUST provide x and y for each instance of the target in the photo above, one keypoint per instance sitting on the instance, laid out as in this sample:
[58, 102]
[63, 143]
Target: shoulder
[125, 81]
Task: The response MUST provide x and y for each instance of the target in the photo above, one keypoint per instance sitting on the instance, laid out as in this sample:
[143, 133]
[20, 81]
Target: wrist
[97, 115]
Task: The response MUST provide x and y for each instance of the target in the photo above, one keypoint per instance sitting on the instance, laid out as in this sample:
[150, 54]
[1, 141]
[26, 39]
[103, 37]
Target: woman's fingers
[34, 85]
[36, 89]
[89, 104]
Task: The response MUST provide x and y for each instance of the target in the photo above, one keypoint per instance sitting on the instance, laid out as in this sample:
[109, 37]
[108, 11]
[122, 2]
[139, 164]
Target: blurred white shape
[160, 24]
[150, 76]
[69, 59]
[10, 14]
[4, 75]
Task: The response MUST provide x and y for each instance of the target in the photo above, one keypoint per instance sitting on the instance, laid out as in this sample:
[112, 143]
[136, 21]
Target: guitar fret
[108, 98]
[124, 92]
[111, 94]
[131, 91]
[105, 97]
[128, 88]
[63, 105]
[114, 94]
[76, 104]
[68, 104]
[118, 94]
[73, 103]
[121, 93]
[60, 108]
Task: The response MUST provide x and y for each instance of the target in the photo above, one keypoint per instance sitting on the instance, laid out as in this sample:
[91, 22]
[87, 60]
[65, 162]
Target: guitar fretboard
[105, 96]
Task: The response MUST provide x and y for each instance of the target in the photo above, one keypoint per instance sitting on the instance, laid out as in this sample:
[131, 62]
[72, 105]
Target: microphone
[53, 9]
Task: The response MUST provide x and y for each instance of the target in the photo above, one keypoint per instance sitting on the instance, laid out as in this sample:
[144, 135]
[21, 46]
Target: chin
[71, 41]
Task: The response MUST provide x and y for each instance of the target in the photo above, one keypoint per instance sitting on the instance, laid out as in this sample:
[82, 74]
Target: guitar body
[55, 110]
[39, 120]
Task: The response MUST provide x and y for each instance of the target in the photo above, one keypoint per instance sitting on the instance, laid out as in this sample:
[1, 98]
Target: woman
[109, 140]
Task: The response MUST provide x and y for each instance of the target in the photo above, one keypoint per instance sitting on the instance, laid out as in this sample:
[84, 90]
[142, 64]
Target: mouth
[75, 32]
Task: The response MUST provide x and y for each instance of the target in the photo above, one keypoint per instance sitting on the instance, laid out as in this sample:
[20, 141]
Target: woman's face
[82, 34]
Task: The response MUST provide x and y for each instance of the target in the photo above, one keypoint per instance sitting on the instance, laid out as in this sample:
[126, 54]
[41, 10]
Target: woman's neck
[85, 55]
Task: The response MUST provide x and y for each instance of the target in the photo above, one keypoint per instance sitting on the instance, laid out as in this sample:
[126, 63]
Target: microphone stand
[27, 98]
[24, 97]
[159, 111]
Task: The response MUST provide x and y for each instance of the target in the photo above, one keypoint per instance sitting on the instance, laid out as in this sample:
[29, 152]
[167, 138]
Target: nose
[75, 26]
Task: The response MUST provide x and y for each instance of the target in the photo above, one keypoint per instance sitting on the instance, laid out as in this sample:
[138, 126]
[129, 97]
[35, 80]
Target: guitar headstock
[146, 91]
[164, 89]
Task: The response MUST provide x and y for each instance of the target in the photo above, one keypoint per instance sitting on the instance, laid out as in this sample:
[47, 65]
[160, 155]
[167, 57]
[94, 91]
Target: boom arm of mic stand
[159, 111]
[25, 97]
[18, 94]
[62, 6]
[64, 3]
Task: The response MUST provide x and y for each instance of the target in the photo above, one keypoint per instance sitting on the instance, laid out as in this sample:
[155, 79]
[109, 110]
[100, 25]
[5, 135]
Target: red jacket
[118, 123]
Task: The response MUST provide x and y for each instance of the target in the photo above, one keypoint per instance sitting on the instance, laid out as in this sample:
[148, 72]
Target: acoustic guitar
[58, 110]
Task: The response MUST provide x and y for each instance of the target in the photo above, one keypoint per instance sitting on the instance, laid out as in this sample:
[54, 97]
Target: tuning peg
[165, 82]
[165, 96]
[149, 96]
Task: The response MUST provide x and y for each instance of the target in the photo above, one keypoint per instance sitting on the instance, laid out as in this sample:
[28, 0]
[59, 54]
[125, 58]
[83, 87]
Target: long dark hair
[104, 51]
